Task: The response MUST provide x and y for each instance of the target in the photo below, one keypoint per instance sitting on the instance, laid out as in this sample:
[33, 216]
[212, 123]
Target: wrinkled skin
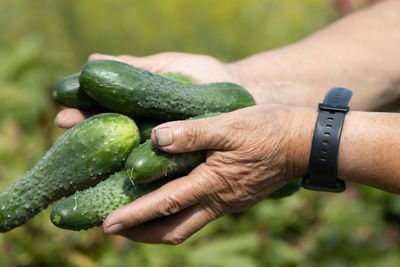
[252, 152]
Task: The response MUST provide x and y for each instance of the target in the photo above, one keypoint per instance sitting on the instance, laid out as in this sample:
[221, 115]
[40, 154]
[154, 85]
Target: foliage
[42, 41]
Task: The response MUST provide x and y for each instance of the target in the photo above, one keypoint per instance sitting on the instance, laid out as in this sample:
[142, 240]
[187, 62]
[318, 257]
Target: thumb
[192, 135]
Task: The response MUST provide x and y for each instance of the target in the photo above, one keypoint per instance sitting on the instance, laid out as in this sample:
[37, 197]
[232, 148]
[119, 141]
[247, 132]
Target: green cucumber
[146, 127]
[88, 208]
[147, 163]
[81, 157]
[123, 88]
[68, 92]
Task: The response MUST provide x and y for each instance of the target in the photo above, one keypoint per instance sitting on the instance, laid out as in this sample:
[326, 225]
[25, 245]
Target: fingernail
[113, 228]
[164, 136]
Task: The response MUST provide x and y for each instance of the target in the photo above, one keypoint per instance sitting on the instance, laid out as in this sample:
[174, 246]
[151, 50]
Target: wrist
[300, 140]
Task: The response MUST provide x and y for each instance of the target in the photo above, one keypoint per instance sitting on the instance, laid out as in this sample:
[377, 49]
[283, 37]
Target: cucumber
[81, 157]
[138, 93]
[147, 163]
[68, 92]
[146, 127]
[88, 208]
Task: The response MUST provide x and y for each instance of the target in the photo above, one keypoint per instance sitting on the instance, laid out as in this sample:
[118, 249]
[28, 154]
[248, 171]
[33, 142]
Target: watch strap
[325, 144]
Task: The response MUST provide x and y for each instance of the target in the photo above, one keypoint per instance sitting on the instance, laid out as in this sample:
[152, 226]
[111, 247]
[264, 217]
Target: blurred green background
[43, 40]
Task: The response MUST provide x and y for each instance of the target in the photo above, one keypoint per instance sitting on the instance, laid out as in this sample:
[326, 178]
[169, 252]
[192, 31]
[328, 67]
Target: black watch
[325, 144]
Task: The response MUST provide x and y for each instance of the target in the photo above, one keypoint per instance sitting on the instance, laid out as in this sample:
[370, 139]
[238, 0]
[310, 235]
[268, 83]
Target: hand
[251, 152]
[199, 68]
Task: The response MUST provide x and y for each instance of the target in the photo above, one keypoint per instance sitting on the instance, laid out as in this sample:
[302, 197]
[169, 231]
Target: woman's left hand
[251, 153]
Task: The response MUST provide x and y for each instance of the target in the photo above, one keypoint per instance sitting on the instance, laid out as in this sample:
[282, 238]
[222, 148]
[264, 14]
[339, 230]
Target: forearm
[361, 51]
[369, 151]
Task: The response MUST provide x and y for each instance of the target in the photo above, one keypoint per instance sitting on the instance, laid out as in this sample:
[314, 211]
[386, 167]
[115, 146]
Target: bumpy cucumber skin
[148, 163]
[139, 93]
[81, 157]
[88, 208]
[146, 125]
[68, 92]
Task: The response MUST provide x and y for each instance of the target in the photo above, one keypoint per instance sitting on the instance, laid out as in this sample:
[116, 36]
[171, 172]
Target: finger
[191, 135]
[154, 63]
[98, 56]
[173, 229]
[69, 117]
[169, 199]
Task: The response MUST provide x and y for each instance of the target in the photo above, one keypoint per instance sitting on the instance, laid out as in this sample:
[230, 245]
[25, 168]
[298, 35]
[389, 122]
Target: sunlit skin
[253, 151]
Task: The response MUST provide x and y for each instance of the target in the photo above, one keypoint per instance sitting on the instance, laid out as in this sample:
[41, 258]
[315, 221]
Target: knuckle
[169, 205]
[212, 211]
[175, 238]
[231, 192]
[192, 136]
